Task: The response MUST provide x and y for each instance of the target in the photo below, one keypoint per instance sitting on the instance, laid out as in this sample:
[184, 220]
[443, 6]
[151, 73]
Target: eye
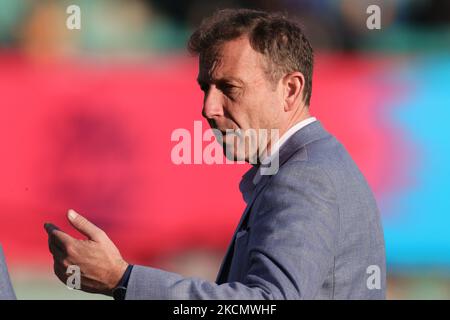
[228, 89]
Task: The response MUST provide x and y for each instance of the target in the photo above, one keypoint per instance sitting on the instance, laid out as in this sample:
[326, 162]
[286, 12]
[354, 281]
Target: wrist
[117, 275]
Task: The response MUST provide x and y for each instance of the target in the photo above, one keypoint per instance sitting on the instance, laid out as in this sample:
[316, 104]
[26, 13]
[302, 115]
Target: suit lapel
[307, 134]
[226, 263]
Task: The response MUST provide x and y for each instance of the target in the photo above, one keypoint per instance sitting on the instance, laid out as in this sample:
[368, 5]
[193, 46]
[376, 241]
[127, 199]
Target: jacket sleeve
[291, 245]
[6, 290]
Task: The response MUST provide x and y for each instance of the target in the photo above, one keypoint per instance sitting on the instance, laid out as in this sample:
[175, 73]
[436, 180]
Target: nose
[212, 104]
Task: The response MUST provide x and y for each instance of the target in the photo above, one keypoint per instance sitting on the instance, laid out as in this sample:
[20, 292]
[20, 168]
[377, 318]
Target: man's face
[239, 95]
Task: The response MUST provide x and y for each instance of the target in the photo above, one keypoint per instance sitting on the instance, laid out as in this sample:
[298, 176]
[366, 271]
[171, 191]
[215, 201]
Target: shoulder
[311, 162]
[300, 182]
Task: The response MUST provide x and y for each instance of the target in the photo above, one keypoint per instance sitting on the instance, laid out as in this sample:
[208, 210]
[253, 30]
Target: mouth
[231, 133]
[223, 132]
[227, 131]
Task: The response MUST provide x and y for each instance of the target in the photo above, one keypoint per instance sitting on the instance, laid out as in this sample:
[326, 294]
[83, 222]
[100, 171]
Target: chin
[235, 155]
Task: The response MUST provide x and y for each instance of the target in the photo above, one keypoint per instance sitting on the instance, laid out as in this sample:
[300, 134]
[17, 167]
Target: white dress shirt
[277, 145]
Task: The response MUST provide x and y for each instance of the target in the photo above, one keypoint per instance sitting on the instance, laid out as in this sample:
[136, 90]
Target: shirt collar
[277, 145]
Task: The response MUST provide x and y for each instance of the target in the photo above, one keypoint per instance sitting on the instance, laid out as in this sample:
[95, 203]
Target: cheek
[264, 112]
[273, 105]
[255, 109]
[237, 113]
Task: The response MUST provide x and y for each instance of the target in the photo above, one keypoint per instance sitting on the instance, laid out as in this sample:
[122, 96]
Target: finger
[84, 226]
[60, 272]
[61, 238]
[53, 242]
[50, 227]
[51, 238]
[57, 252]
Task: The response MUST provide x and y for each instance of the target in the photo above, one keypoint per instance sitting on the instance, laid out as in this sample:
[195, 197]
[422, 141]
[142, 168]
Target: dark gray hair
[278, 38]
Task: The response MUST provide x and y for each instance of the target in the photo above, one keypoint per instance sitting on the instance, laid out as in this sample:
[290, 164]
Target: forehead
[235, 58]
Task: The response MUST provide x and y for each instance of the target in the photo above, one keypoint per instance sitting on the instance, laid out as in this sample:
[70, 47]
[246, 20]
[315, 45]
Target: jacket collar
[250, 190]
[311, 132]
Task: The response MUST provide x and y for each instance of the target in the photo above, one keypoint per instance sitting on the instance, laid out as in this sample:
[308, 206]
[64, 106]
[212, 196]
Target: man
[310, 231]
[6, 290]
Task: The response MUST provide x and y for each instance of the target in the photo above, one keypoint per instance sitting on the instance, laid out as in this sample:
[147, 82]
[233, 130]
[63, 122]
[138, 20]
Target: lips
[229, 131]
[223, 132]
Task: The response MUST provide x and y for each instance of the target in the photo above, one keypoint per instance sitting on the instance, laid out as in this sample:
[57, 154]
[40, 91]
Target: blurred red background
[98, 140]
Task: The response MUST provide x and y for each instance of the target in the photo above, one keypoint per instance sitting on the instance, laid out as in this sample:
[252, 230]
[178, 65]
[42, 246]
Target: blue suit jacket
[311, 231]
[6, 290]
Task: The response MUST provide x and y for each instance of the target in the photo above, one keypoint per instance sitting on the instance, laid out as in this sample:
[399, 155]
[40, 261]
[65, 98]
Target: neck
[299, 115]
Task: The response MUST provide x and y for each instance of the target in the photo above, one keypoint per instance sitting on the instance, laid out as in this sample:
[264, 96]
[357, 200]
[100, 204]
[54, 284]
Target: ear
[294, 84]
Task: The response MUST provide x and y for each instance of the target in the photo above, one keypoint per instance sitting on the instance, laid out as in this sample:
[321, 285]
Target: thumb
[84, 226]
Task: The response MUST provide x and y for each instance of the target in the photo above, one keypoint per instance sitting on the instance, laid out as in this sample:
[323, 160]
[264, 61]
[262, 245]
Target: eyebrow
[225, 79]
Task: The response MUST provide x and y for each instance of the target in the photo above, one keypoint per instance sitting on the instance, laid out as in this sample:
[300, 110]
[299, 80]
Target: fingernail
[72, 214]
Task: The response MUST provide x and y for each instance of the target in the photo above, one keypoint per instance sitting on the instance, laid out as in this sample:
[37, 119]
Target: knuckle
[65, 264]
[102, 234]
[70, 250]
[81, 221]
